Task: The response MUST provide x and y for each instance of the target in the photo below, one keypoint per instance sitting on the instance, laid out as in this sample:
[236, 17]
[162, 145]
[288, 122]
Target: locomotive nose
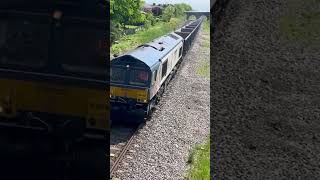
[131, 102]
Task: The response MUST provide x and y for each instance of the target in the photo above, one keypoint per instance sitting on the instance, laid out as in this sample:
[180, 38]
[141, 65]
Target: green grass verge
[204, 69]
[301, 21]
[206, 44]
[206, 26]
[129, 42]
[199, 159]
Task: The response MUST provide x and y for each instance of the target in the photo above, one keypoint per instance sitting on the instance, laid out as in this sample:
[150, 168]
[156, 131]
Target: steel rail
[124, 150]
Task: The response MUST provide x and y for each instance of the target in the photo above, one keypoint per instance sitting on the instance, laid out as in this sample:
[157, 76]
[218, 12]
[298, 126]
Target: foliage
[192, 17]
[168, 13]
[181, 8]
[153, 20]
[115, 32]
[204, 68]
[175, 10]
[200, 162]
[126, 11]
[150, 18]
[206, 26]
[131, 41]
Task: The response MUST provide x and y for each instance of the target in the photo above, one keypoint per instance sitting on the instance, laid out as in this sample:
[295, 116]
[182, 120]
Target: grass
[129, 42]
[206, 26]
[206, 44]
[301, 22]
[199, 159]
[204, 69]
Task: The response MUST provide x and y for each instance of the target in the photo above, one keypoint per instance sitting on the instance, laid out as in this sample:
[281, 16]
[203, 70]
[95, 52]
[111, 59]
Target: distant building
[154, 9]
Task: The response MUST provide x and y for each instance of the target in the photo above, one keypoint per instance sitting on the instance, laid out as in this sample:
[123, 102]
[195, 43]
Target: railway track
[119, 151]
[122, 136]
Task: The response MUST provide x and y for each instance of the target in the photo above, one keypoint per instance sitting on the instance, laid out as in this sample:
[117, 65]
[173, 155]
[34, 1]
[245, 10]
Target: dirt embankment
[265, 104]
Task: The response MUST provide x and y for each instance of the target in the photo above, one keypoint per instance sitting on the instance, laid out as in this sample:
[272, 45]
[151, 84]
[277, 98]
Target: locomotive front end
[130, 84]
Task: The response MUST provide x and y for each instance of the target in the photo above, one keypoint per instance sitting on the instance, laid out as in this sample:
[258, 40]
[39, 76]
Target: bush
[147, 24]
[168, 13]
[116, 32]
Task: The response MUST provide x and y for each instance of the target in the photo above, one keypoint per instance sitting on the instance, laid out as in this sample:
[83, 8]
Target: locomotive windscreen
[66, 39]
[23, 41]
[85, 51]
[84, 46]
[138, 77]
[118, 75]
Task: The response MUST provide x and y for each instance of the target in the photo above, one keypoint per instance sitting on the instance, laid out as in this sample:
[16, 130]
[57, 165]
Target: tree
[150, 18]
[168, 13]
[181, 8]
[115, 32]
[126, 11]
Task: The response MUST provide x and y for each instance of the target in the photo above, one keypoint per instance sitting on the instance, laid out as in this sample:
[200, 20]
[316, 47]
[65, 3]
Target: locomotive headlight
[57, 14]
[6, 106]
[142, 100]
[142, 96]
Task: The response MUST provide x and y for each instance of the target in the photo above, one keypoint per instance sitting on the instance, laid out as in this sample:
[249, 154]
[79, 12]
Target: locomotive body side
[166, 68]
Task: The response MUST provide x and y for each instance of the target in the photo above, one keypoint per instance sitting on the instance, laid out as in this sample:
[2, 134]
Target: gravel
[265, 103]
[118, 138]
[181, 121]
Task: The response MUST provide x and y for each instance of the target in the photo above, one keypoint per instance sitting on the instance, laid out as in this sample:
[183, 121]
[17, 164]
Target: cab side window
[164, 68]
[155, 75]
[180, 52]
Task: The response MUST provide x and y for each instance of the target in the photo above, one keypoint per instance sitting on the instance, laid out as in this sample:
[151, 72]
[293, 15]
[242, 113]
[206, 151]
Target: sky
[198, 5]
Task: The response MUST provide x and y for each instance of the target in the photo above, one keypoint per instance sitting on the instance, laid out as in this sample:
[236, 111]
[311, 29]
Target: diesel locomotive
[53, 67]
[140, 77]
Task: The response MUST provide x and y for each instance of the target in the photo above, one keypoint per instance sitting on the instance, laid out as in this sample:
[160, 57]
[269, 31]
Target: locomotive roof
[152, 52]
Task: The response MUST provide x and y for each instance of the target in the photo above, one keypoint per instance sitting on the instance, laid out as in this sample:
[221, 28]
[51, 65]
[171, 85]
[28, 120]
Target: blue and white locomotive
[140, 77]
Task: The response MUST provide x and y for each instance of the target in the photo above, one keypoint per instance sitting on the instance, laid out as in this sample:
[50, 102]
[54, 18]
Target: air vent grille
[173, 36]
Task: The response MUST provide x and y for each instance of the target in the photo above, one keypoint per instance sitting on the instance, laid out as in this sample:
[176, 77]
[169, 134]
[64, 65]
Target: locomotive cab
[130, 82]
